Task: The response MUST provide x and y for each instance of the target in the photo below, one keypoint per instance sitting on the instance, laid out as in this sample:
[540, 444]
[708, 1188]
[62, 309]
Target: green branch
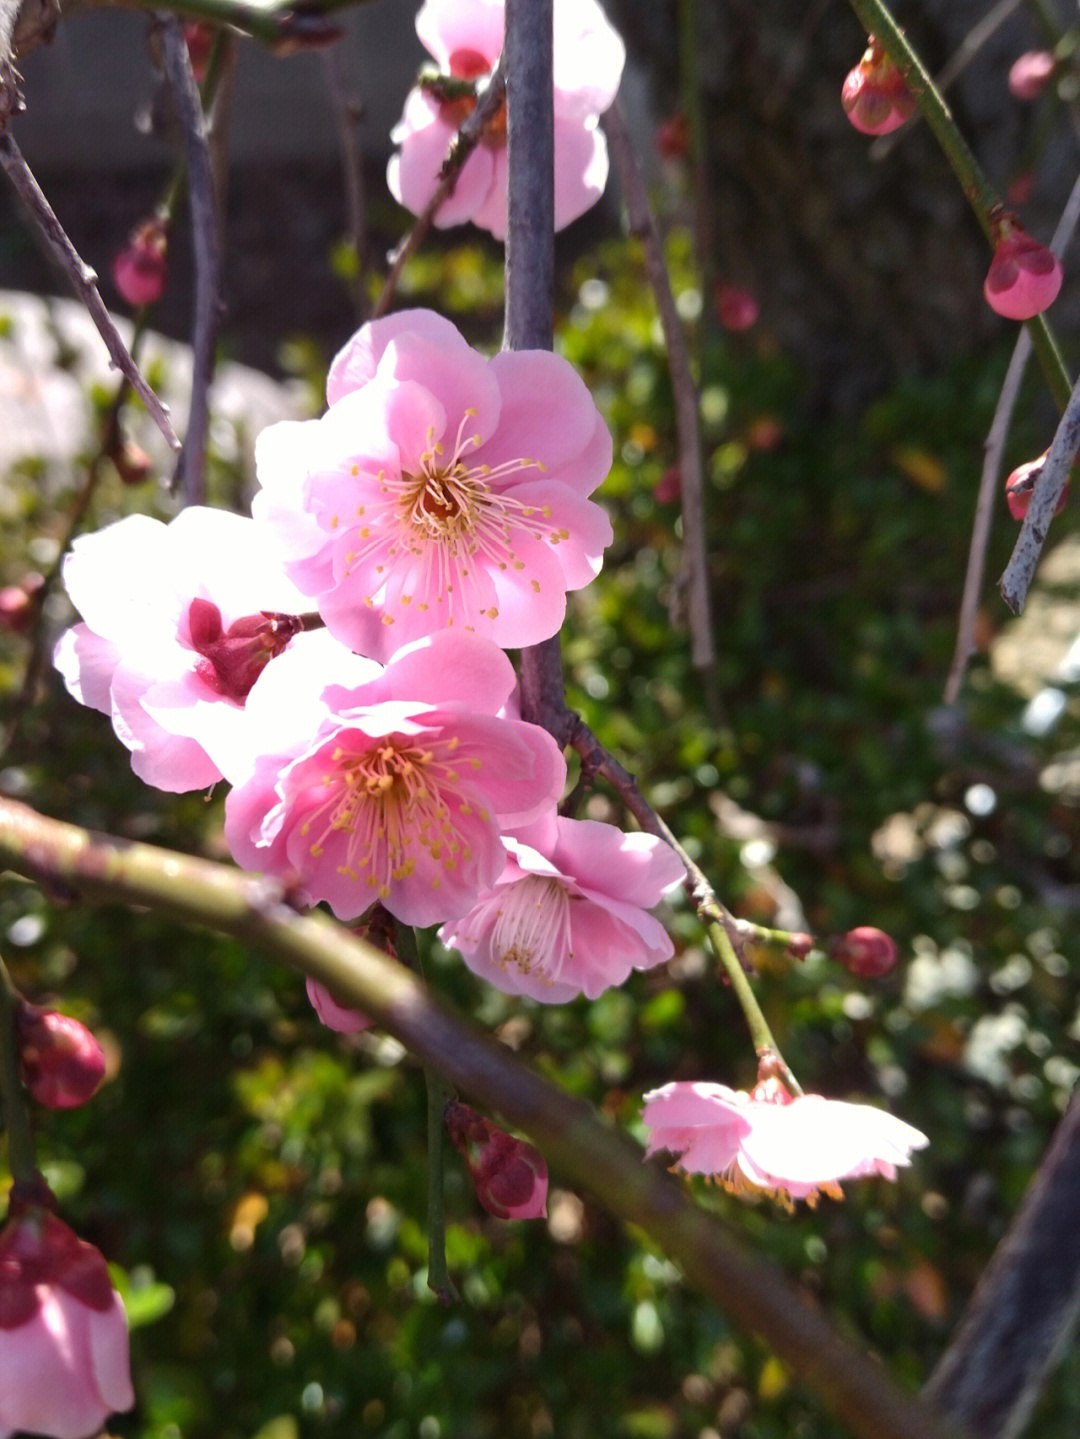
[588, 1152]
[877, 20]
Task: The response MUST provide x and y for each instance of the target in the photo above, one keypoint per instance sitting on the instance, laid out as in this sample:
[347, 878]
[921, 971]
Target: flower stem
[439, 1094]
[758, 1025]
[22, 1159]
[877, 20]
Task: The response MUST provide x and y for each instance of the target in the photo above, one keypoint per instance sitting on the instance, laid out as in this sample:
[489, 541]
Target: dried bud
[140, 270]
[510, 1176]
[1024, 277]
[735, 309]
[233, 659]
[18, 604]
[133, 464]
[1031, 73]
[865, 951]
[673, 137]
[1020, 486]
[60, 1061]
[875, 96]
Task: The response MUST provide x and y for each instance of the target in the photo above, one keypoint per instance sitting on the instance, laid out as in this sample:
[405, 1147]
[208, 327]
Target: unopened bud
[800, 945]
[510, 1176]
[673, 137]
[1020, 486]
[140, 270]
[866, 952]
[1031, 73]
[668, 487]
[60, 1061]
[199, 38]
[1024, 276]
[735, 309]
[18, 604]
[133, 464]
[875, 95]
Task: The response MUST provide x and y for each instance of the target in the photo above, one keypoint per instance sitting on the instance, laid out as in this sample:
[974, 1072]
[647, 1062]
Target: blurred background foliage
[259, 1183]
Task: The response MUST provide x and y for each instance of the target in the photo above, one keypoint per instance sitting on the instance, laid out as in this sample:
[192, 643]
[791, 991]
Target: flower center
[388, 803]
[532, 931]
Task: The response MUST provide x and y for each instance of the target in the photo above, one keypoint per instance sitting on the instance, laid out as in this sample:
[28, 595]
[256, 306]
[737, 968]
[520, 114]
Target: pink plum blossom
[769, 1142]
[441, 489]
[180, 620]
[509, 1175]
[64, 1365]
[394, 788]
[568, 917]
[464, 37]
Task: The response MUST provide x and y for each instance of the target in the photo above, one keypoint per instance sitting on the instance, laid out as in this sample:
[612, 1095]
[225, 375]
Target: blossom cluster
[338, 659]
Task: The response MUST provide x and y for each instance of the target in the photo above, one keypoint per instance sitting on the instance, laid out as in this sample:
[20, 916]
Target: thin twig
[349, 114]
[1025, 1305]
[82, 277]
[692, 488]
[591, 1154]
[286, 28]
[991, 473]
[190, 475]
[461, 147]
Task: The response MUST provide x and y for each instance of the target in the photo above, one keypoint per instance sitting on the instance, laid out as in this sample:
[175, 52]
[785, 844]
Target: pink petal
[110, 1357]
[637, 868]
[449, 667]
[413, 174]
[581, 168]
[547, 412]
[87, 663]
[693, 1104]
[356, 362]
[463, 381]
[448, 25]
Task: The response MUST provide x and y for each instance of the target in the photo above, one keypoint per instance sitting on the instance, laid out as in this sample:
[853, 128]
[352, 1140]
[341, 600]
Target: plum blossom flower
[440, 489]
[769, 1142]
[568, 917]
[180, 619]
[393, 788]
[464, 37]
[63, 1334]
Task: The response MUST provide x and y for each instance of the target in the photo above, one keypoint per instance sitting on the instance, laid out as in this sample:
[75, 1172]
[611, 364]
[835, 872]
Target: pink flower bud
[1020, 486]
[668, 487]
[334, 1015]
[233, 659]
[865, 951]
[800, 945]
[133, 464]
[61, 1063]
[510, 1176]
[875, 96]
[1031, 73]
[18, 604]
[735, 309]
[140, 270]
[63, 1334]
[1024, 277]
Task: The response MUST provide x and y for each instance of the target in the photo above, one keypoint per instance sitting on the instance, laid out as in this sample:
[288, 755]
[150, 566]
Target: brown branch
[587, 1151]
[692, 487]
[461, 147]
[82, 278]
[1025, 1306]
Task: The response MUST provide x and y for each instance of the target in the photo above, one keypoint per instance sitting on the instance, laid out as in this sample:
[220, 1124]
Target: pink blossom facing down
[440, 490]
[509, 1175]
[1031, 73]
[1024, 277]
[875, 95]
[392, 789]
[464, 37]
[64, 1365]
[174, 637]
[768, 1142]
[569, 916]
[60, 1061]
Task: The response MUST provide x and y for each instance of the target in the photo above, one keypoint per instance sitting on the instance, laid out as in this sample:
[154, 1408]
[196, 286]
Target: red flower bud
[510, 1176]
[673, 137]
[18, 604]
[865, 951]
[1031, 73]
[233, 659]
[140, 270]
[735, 309]
[800, 945]
[1024, 277]
[199, 38]
[668, 487]
[60, 1061]
[875, 96]
[1020, 486]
